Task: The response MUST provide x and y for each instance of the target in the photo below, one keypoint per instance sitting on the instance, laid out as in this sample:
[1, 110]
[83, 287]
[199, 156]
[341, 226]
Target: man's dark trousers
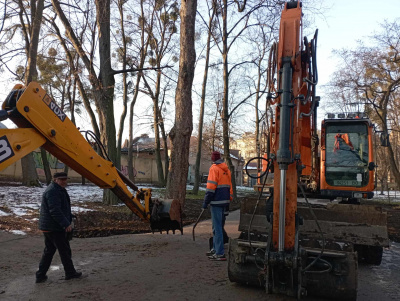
[56, 240]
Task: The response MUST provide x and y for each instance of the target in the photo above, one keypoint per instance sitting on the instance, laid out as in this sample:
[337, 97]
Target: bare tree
[371, 77]
[182, 129]
[225, 39]
[73, 61]
[123, 58]
[31, 34]
[103, 83]
[145, 26]
[162, 45]
[212, 12]
[261, 37]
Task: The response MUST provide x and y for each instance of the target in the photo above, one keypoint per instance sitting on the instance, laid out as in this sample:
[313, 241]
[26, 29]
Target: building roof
[142, 143]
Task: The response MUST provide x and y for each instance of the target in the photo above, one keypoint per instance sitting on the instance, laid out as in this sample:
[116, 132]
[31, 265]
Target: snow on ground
[22, 201]
[18, 232]
[391, 195]
[2, 213]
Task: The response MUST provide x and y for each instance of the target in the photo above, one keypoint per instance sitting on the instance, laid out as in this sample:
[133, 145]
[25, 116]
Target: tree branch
[238, 64]
[139, 69]
[241, 8]
[244, 100]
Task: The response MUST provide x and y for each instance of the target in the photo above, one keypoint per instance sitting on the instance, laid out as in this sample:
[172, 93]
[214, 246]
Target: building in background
[144, 163]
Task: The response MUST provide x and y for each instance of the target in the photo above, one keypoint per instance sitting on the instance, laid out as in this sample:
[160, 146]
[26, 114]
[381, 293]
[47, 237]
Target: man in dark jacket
[56, 222]
[218, 196]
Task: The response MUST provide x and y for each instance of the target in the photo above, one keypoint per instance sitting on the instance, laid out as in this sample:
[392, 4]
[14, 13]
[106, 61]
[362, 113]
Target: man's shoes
[216, 257]
[73, 276]
[41, 279]
[211, 252]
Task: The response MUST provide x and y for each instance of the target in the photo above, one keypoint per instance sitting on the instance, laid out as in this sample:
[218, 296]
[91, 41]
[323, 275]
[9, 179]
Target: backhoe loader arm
[41, 122]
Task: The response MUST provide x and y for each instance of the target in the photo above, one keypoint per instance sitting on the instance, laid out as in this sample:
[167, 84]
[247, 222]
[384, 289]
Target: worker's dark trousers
[56, 241]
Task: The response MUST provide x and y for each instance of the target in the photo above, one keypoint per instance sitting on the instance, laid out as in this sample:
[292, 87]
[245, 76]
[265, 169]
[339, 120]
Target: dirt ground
[152, 267]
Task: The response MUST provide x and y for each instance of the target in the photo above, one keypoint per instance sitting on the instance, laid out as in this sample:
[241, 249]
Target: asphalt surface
[155, 267]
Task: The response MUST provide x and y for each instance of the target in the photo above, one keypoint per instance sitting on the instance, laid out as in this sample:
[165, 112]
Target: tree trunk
[29, 176]
[125, 87]
[160, 172]
[143, 54]
[29, 173]
[31, 72]
[197, 176]
[182, 129]
[46, 166]
[106, 97]
[156, 120]
[393, 166]
[131, 174]
[225, 99]
[166, 157]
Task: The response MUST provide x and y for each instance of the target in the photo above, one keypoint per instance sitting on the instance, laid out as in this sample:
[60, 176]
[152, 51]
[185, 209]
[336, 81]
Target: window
[347, 154]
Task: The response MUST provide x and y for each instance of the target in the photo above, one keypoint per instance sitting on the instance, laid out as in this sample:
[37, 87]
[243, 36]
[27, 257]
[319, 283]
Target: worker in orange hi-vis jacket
[218, 195]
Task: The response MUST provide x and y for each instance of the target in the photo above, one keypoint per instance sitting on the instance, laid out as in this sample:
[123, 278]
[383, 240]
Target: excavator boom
[41, 122]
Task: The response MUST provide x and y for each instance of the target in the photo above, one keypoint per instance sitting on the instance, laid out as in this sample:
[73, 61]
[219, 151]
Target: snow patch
[17, 232]
[80, 209]
[2, 213]
[19, 211]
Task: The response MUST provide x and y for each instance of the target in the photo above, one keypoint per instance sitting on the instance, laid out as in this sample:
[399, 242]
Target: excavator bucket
[166, 215]
[163, 214]
[365, 226]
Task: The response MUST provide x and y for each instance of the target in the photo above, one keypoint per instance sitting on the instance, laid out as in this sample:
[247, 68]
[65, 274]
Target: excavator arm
[41, 122]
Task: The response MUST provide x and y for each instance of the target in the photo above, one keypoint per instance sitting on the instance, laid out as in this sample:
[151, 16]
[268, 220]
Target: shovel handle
[197, 221]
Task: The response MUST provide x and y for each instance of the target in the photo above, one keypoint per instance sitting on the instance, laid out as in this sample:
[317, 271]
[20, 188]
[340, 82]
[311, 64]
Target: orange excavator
[286, 244]
[41, 122]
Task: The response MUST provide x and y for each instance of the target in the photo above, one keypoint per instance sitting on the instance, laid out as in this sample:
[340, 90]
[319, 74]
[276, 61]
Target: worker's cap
[60, 175]
[215, 156]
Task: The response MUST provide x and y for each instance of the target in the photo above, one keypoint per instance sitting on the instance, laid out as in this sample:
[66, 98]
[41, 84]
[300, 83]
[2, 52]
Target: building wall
[144, 164]
[246, 145]
[13, 173]
[145, 167]
[205, 165]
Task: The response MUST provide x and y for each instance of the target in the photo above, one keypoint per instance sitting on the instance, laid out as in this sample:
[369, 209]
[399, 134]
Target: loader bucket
[166, 215]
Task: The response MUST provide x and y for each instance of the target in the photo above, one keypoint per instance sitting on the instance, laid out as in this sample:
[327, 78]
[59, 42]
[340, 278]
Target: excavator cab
[42, 123]
[346, 157]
